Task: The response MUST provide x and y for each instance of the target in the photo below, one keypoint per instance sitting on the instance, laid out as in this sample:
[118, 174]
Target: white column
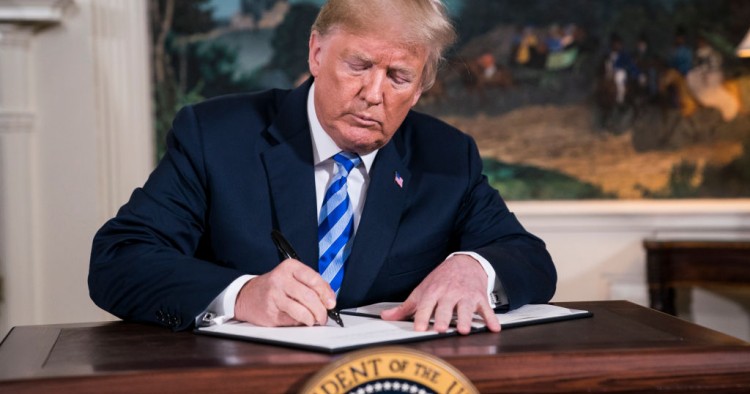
[20, 22]
[17, 262]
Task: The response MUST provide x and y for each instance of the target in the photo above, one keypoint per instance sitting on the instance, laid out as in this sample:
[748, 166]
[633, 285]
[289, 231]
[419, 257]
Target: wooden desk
[623, 348]
[672, 264]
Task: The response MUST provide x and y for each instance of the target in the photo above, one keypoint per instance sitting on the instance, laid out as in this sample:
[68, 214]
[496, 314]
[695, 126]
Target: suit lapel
[291, 177]
[378, 225]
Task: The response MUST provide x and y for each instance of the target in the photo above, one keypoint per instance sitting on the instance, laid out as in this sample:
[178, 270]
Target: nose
[372, 88]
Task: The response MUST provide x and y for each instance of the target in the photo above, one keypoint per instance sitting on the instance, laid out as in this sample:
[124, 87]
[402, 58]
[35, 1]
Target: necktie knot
[346, 161]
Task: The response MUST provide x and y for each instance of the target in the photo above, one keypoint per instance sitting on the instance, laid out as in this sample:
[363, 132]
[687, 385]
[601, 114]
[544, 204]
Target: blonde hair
[425, 23]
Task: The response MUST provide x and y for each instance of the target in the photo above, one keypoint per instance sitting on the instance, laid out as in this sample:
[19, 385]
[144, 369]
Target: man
[196, 237]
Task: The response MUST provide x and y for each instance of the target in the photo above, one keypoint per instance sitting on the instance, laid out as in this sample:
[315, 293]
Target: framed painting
[567, 100]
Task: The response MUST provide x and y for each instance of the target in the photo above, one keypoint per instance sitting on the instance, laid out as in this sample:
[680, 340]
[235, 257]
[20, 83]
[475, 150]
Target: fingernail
[331, 303]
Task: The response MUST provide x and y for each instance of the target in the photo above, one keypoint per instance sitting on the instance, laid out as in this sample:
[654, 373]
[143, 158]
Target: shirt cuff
[221, 308]
[495, 291]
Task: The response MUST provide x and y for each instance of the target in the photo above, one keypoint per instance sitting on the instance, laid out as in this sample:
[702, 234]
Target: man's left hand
[458, 284]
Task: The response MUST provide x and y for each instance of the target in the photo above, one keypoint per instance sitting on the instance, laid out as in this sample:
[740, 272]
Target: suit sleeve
[487, 227]
[142, 264]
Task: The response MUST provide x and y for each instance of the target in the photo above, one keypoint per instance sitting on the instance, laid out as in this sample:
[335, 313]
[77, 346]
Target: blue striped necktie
[336, 224]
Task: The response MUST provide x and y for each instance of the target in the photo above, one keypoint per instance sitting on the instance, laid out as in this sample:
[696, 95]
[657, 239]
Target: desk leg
[661, 294]
[662, 298]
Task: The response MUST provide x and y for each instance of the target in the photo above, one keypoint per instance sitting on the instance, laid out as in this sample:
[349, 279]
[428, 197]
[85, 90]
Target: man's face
[365, 85]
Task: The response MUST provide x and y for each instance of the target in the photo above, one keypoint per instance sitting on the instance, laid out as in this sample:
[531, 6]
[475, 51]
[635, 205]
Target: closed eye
[358, 65]
[400, 77]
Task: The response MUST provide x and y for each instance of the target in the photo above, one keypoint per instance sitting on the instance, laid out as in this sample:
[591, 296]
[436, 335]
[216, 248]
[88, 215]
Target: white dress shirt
[221, 308]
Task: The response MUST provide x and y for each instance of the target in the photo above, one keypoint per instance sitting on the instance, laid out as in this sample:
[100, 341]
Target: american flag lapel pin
[399, 181]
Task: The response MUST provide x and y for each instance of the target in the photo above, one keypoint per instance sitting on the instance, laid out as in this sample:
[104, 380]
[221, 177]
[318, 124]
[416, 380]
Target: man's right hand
[291, 295]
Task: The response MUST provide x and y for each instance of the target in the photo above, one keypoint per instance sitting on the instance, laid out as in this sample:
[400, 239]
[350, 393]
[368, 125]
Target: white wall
[76, 138]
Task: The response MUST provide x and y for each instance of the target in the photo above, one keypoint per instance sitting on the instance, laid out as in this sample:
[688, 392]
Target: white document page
[534, 312]
[357, 331]
[526, 313]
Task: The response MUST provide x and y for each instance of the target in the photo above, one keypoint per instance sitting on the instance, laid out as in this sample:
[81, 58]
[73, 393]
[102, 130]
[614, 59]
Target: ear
[417, 95]
[313, 56]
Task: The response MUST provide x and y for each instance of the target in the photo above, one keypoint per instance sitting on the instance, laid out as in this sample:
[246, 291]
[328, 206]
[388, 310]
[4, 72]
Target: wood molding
[39, 13]
[656, 216]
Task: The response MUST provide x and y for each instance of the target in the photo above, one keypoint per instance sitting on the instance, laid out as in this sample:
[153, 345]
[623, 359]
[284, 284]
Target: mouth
[364, 120]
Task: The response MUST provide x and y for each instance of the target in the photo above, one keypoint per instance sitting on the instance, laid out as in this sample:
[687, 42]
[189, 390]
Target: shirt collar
[323, 146]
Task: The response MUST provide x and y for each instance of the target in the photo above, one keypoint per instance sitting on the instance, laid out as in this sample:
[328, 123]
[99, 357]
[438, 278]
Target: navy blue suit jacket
[238, 166]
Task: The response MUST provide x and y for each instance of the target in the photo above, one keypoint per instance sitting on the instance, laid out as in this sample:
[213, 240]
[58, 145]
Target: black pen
[287, 251]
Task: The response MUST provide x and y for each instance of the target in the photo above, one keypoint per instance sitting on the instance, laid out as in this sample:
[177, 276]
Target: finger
[465, 315]
[488, 314]
[308, 298]
[423, 314]
[296, 311]
[443, 316]
[284, 320]
[314, 281]
[401, 312]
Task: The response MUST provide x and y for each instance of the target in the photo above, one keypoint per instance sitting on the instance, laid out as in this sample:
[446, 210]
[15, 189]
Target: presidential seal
[389, 370]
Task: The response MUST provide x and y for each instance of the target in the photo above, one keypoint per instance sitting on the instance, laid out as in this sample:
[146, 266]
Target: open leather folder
[363, 327]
